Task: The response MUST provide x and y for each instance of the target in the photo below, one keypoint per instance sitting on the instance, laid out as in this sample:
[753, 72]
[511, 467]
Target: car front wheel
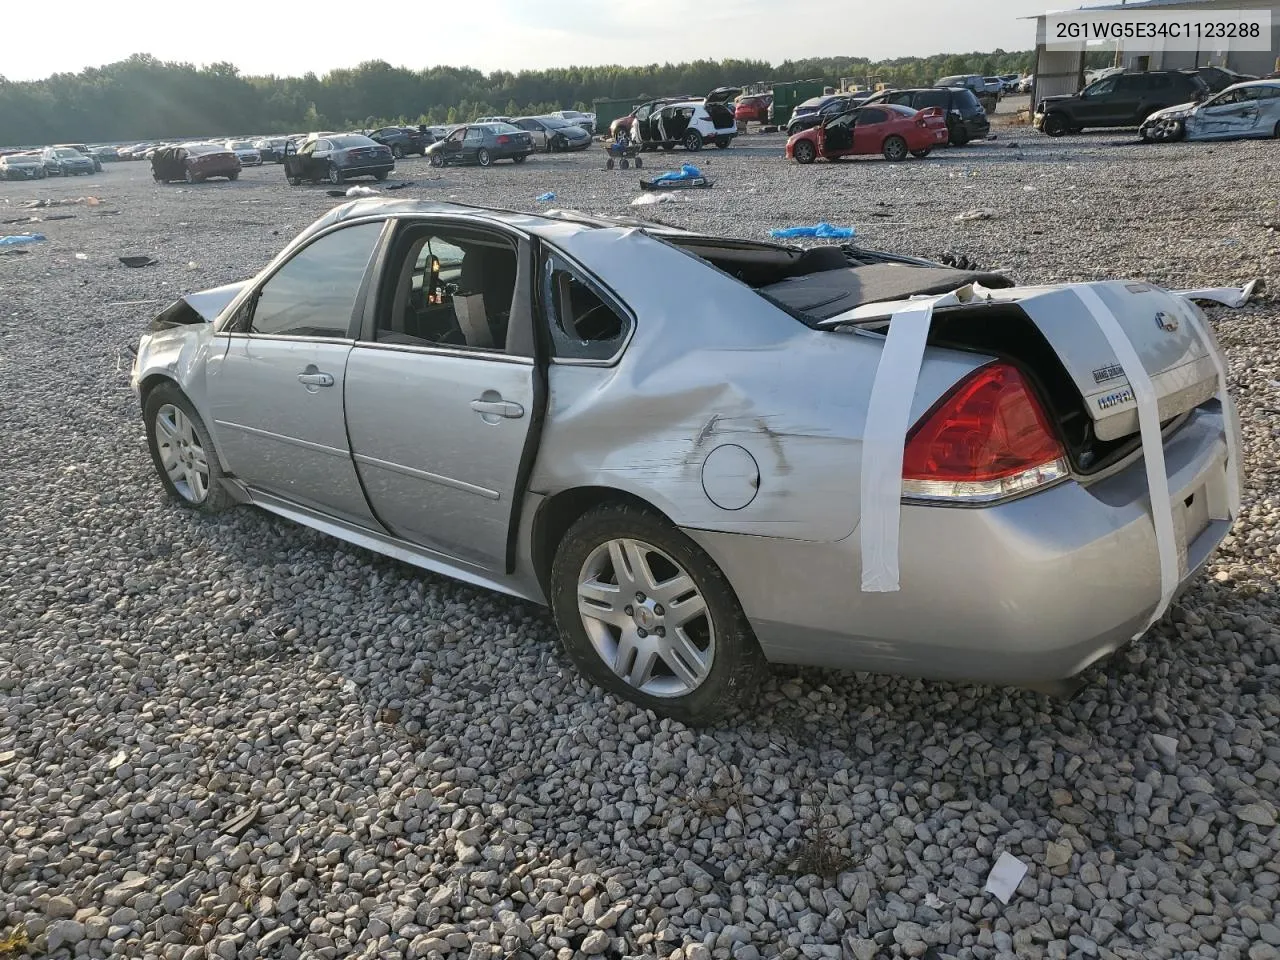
[335, 175]
[693, 141]
[183, 452]
[805, 152]
[648, 616]
[398, 152]
[1055, 125]
[437, 159]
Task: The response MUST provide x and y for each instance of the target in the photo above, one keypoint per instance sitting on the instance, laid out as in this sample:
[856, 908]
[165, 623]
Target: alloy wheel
[646, 618]
[184, 458]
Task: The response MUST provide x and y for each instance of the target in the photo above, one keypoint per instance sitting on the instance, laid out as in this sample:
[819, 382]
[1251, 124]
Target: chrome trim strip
[430, 477]
[295, 441]
[496, 355]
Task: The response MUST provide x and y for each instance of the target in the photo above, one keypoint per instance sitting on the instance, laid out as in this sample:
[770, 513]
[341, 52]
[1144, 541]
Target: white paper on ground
[1005, 876]
[1152, 446]
[884, 440]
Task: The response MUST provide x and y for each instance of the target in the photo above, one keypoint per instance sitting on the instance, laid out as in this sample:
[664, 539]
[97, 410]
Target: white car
[585, 120]
[690, 123]
[244, 149]
[1245, 111]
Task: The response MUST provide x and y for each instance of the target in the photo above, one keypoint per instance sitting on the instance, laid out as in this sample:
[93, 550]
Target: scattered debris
[132, 303]
[138, 261]
[239, 825]
[21, 220]
[647, 199]
[1234, 297]
[59, 216]
[982, 213]
[21, 238]
[64, 202]
[821, 231]
[687, 177]
[336, 193]
[1005, 876]
[400, 186]
[545, 197]
[362, 191]
[13, 251]
[82, 256]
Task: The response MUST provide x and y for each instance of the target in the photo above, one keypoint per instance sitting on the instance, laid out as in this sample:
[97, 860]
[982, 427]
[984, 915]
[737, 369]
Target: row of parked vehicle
[62, 160]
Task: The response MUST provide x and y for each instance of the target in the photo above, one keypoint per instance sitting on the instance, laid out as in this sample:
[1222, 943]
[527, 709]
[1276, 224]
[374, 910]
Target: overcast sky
[283, 38]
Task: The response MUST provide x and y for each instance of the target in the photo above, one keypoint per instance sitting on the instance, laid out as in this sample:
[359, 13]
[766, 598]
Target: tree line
[144, 98]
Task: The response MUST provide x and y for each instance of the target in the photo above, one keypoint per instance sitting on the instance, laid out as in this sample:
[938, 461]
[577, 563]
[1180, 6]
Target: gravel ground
[232, 737]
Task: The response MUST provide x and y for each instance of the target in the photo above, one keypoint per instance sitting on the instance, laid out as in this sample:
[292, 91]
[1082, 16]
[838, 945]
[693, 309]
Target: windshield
[67, 152]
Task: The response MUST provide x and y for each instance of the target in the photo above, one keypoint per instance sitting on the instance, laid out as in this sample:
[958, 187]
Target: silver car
[1248, 110]
[660, 435]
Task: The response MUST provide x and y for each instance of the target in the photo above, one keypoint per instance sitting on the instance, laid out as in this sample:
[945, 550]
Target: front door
[441, 395]
[642, 125]
[835, 137]
[869, 130]
[1095, 102]
[1231, 114]
[276, 393]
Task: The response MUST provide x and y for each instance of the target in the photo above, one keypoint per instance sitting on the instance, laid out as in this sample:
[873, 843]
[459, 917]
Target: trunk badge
[1166, 322]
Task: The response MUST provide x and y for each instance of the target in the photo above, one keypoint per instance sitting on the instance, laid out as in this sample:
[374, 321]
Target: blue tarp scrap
[546, 197]
[20, 239]
[821, 231]
[686, 172]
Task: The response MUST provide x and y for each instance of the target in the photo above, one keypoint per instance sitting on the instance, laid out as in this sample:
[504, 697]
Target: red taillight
[503, 138]
[987, 439]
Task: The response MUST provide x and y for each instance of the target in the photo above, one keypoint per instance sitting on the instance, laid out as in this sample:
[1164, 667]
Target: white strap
[884, 439]
[1229, 418]
[1152, 445]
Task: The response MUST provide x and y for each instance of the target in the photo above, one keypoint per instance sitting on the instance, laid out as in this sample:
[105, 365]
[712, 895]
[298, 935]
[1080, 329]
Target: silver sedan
[1244, 111]
[660, 434]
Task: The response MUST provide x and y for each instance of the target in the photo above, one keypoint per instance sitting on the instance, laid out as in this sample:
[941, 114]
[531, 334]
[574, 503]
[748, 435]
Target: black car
[814, 111]
[966, 117]
[337, 158]
[1218, 79]
[403, 140]
[1119, 100]
[482, 143]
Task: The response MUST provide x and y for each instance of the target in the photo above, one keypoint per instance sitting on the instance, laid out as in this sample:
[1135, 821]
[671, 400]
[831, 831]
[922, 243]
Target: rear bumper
[367, 169]
[1030, 591]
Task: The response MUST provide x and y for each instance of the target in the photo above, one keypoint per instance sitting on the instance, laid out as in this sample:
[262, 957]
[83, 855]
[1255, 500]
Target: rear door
[443, 395]
[276, 393]
[1132, 93]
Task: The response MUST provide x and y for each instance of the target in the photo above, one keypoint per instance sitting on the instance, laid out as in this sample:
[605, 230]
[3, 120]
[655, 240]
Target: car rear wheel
[648, 616]
[520, 158]
[183, 452]
[1055, 125]
[1275, 134]
[805, 152]
[233, 176]
[295, 181]
[722, 143]
[693, 141]
[483, 157]
[335, 175]
[895, 149]
[921, 154]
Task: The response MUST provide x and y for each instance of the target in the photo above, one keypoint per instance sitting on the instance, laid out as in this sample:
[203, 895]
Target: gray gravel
[232, 737]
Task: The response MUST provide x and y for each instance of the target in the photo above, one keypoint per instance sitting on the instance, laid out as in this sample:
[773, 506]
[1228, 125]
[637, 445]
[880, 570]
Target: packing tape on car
[885, 439]
[1230, 421]
[1152, 445]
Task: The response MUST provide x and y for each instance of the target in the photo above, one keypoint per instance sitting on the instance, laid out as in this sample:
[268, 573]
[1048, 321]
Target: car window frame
[546, 253]
[367, 332]
[242, 309]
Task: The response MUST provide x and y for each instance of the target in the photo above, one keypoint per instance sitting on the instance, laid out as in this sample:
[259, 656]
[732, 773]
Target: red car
[753, 107]
[194, 163]
[885, 128]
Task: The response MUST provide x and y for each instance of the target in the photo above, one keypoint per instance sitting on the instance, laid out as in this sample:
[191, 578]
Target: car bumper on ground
[1027, 592]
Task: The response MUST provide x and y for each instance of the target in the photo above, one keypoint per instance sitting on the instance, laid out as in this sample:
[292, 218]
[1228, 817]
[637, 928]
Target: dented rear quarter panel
[711, 363]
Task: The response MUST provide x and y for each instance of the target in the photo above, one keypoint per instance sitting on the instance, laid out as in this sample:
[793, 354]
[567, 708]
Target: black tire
[1275, 134]
[216, 497]
[624, 163]
[608, 164]
[1055, 125]
[921, 154]
[398, 152]
[336, 176]
[295, 181]
[894, 149]
[380, 176]
[639, 163]
[959, 136]
[233, 176]
[722, 143]
[805, 152]
[483, 157]
[737, 663]
[557, 144]
[520, 158]
[437, 159]
[692, 141]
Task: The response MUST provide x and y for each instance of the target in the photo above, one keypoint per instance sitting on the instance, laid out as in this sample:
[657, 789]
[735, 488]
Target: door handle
[316, 379]
[498, 408]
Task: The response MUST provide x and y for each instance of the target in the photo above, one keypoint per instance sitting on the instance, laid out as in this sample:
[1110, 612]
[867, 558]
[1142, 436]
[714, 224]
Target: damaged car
[194, 163]
[690, 124]
[337, 158]
[680, 469]
[1247, 111]
[891, 131]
